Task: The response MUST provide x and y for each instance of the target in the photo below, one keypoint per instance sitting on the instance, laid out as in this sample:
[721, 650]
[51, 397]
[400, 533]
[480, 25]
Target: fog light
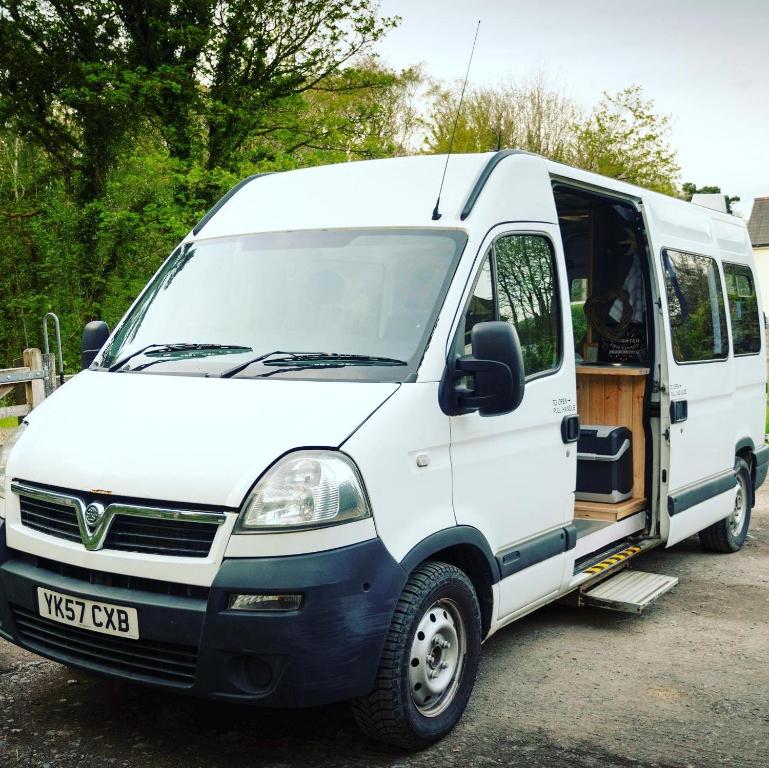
[265, 602]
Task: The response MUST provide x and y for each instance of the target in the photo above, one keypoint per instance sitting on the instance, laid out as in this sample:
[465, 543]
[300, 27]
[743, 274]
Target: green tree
[62, 83]
[77, 76]
[533, 116]
[121, 122]
[623, 137]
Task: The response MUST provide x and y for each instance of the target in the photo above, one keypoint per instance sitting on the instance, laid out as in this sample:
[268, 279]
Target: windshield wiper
[336, 357]
[258, 359]
[310, 358]
[170, 348]
[267, 374]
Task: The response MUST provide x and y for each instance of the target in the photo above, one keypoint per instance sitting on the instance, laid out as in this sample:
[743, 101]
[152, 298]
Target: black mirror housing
[95, 334]
[498, 371]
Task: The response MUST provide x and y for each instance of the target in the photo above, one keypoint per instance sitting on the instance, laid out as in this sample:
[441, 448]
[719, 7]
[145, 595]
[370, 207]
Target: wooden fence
[38, 375]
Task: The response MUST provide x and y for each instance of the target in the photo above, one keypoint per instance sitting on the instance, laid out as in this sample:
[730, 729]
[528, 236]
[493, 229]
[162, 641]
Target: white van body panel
[685, 524]
[519, 189]
[300, 542]
[409, 502]
[732, 238]
[168, 443]
[534, 585]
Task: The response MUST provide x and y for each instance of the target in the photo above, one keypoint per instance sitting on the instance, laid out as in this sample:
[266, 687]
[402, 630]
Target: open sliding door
[698, 485]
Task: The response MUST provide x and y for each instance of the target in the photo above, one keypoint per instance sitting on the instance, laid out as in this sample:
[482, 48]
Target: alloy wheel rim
[437, 657]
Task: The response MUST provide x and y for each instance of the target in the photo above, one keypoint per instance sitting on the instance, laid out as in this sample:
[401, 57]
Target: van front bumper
[326, 651]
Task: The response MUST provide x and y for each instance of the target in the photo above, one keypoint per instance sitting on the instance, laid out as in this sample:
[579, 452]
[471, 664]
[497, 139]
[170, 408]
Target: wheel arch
[466, 548]
[745, 449]
[744, 445]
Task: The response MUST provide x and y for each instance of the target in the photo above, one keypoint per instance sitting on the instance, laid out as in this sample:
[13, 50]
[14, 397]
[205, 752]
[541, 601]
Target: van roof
[401, 192]
[396, 192]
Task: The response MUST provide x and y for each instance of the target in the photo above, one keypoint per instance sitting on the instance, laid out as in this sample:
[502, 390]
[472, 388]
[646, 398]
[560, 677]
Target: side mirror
[496, 366]
[95, 334]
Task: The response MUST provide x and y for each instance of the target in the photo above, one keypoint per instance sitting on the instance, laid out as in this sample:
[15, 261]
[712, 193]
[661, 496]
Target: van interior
[608, 271]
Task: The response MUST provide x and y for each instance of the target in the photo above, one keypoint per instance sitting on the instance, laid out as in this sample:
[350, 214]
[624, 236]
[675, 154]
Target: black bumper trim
[327, 651]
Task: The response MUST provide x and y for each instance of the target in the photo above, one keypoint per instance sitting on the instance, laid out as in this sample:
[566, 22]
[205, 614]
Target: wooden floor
[595, 510]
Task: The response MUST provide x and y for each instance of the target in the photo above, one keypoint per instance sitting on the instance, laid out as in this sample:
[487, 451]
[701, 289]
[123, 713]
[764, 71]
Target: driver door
[513, 474]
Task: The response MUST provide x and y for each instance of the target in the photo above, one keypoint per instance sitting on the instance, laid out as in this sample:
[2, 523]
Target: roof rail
[217, 206]
[493, 162]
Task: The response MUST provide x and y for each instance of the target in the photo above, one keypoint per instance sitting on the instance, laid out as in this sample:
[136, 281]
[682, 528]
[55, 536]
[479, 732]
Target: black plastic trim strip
[762, 455]
[761, 465]
[536, 550]
[493, 162]
[680, 502]
[220, 203]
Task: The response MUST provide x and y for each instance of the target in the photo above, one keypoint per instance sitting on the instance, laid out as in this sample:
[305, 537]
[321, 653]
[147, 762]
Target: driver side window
[481, 306]
[518, 284]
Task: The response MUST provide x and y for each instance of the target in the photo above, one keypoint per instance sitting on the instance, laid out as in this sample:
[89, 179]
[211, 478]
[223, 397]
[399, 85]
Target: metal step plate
[629, 591]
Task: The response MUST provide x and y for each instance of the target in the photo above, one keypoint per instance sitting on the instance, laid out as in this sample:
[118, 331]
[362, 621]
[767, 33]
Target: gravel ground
[687, 684]
[4, 433]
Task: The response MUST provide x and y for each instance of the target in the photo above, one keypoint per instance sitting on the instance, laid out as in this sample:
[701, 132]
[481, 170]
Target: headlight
[305, 489]
[5, 452]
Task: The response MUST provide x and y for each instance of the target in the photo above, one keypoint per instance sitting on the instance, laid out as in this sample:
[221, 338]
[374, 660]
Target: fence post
[35, 389]
[49, 369]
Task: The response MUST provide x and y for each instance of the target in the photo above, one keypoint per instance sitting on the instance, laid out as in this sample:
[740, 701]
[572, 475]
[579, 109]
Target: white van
[335, 443]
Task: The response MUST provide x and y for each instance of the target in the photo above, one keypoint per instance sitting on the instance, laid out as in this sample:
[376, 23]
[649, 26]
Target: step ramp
[629, 591]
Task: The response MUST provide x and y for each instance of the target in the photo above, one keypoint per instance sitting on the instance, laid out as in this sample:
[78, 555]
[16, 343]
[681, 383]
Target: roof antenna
[436, 212]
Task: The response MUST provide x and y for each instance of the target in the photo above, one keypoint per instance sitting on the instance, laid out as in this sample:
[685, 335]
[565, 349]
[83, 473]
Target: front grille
[48, 517]
[160, 537]
[149, 659]
[127, 533]
[105, 579]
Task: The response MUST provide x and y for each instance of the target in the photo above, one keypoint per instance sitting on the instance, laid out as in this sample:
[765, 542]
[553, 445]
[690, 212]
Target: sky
[703, 62]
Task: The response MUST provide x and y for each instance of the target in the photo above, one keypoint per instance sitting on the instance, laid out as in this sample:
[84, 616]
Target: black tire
[390, 713]
[729, 535]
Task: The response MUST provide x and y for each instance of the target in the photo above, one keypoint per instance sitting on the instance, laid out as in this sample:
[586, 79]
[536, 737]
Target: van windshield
[331, 304]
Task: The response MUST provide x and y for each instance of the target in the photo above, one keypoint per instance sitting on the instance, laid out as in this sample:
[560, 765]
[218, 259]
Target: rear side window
[696, 307]
[743, 309]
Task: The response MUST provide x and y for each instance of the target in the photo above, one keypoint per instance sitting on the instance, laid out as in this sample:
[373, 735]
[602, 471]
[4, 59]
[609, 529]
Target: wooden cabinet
[614, 396]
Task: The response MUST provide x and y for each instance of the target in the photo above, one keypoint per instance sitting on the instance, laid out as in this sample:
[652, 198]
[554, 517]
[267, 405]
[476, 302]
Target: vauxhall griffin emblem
[93, 513]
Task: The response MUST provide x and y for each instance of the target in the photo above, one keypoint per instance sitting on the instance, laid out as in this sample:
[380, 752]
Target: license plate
[88, 614]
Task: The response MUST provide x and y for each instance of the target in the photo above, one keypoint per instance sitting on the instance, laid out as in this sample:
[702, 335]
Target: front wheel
[429, 662]
[729, 535]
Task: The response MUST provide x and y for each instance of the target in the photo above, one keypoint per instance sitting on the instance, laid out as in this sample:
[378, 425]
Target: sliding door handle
[679, 411]
[570, 428]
